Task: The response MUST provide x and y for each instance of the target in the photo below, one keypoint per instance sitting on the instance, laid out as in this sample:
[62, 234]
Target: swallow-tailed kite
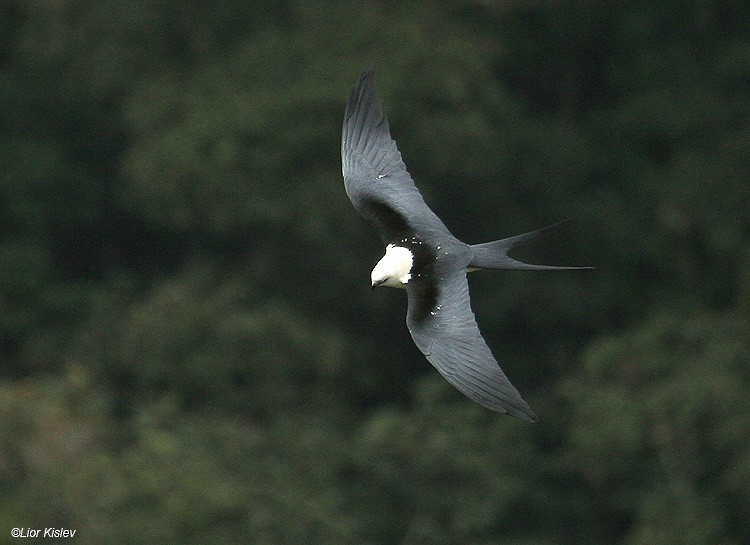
[423, 256]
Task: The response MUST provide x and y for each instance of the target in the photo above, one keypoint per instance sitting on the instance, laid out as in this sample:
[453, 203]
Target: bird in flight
[422, 256]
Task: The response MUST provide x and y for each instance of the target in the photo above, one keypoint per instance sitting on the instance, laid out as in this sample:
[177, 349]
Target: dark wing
[375, 177]
[443, 327]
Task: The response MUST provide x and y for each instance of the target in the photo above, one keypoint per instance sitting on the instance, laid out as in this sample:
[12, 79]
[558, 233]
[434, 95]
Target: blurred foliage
[189, 349]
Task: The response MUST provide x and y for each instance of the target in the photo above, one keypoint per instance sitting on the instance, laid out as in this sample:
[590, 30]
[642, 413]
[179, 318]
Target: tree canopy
[190, 349]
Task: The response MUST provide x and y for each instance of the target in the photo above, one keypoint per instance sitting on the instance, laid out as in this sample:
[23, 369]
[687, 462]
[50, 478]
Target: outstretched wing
[443, 327]
[375, 177]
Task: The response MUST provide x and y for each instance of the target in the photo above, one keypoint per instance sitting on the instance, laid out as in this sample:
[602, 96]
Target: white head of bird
[394, 268]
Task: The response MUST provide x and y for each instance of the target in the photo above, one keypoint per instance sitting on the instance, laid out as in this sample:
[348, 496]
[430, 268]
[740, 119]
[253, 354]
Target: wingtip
[365, 84]
[367, 72]
[525, 414]
[366, 78]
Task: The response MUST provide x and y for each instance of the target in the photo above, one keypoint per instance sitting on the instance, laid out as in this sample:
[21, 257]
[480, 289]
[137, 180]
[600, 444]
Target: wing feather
[375, 177]
[448, 335]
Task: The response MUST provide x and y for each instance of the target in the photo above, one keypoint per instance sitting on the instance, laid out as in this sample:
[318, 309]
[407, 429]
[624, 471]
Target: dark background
[189, 349]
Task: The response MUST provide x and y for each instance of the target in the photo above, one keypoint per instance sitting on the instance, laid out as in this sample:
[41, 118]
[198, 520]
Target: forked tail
[494, 255]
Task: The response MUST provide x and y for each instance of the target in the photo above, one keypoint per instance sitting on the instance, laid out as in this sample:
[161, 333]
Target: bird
[423, 257]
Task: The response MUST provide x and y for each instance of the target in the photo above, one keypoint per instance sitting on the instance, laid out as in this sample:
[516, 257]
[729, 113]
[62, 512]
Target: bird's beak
[374, 285]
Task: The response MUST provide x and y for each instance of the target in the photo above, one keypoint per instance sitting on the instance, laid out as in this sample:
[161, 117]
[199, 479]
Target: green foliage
[451, 473]
[171, 478]
[205, 340]
[190, 351]
[660, 424]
